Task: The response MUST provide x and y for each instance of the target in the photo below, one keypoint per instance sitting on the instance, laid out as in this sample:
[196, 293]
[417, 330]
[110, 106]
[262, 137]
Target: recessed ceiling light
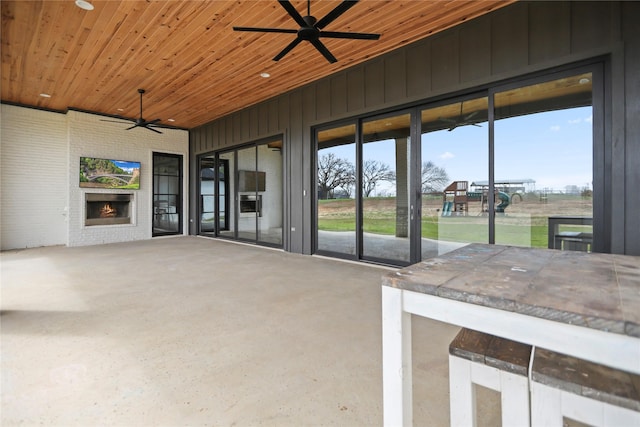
[265, 75]
[583, 81]
[120, 109]
[171, 120]
[45, 95]
[83, 4]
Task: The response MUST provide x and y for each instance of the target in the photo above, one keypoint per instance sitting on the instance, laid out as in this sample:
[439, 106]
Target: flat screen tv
[107, 173]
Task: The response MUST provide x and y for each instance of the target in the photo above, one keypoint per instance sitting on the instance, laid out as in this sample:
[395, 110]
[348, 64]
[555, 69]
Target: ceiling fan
[311, 29]
[461, 120]
[139, 122]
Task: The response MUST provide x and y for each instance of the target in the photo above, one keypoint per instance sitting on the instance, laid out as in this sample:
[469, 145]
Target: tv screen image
[107, 173]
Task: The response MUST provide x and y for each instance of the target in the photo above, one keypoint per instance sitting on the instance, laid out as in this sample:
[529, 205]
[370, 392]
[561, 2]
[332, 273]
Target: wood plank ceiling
[186, 56]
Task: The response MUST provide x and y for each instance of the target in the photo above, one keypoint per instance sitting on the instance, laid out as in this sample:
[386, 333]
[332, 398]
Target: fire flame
[108, 211]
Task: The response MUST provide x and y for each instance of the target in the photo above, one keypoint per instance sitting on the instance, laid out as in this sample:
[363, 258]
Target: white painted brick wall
[67, 138]
[33, 178]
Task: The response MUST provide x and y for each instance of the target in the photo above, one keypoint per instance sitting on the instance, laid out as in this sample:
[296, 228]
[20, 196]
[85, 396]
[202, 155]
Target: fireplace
[250, 205]
[107, 208]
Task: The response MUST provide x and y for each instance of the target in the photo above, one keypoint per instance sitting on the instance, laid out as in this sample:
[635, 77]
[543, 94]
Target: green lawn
[525, 225]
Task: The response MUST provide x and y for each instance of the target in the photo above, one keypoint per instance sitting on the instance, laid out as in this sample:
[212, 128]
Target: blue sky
[127, 166]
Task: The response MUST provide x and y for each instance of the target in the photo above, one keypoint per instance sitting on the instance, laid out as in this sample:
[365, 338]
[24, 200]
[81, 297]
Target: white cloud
[589, 119]
[447, 155]
[555, 128]
[575, 121]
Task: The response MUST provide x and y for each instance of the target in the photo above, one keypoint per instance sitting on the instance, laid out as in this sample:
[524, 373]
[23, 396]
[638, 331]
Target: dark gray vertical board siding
[323, 99]
[355, 89]
[395, 77]
[445, 64]
[587, 31]
[509, 42]
[308, 175]
[338, 95]
[245, 124]
[309, 104]
[374, 84]
[284, 109]
[615, 141]
[237, 128]
[263, 119]
[273, 116]
[226, 138]
[217, 136]
[293, 174]
[631, 12]
[549, 31]
[419, 69]
[193, 177]
[475, 50]
[195, 141]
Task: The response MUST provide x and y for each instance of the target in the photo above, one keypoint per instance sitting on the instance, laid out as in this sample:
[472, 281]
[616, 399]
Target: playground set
[456, 199]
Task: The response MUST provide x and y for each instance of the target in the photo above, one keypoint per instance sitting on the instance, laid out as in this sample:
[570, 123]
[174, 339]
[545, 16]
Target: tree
[333, 173]
[434, 178]
[373, 172]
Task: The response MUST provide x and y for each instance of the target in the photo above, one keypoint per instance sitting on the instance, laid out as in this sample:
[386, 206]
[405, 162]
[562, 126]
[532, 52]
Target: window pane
[227, 193]
[247, 203]
[270, 193]
[455, 153]
[543, 163]
[385, 188]
[336, 190]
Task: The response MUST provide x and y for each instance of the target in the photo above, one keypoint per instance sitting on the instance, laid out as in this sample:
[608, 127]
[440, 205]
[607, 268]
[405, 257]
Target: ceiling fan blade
[286, 4]
[152, 129]
[323, 50]
[342, 35]
[287, 49]
[265, 30]
[151, 122]
[470, 115]
[134, 126]
[339, 10]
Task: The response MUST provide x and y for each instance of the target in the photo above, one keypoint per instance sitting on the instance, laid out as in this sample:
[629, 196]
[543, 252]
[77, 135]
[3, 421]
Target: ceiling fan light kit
[139, 122]
[311, 29]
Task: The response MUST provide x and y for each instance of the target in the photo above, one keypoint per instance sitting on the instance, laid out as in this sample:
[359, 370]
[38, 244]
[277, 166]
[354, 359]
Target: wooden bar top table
[582, 304]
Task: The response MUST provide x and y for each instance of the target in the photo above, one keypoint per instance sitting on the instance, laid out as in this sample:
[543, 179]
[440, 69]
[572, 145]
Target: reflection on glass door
[544, 164]
[207, 195]
[167, 194]
[244, 189]
[336, 204]
[385, 178]
[455, 198]
[269, 193]
[226, 206]
[248, 199]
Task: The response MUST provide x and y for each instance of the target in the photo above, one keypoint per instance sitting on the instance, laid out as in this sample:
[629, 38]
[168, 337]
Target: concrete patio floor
[197, 331]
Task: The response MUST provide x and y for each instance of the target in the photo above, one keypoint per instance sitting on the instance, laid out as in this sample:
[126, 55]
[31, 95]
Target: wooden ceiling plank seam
[78, 69]
[220, 77]
[14, 37]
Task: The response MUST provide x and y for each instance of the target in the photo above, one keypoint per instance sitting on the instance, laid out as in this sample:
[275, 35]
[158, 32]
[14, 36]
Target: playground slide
[505, 201]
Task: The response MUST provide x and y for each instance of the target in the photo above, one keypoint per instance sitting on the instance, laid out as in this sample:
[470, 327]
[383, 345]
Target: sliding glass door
[385, 177]
[513, 165]
[454, 169]
[241, 193]
[364, 204]
[544, 163]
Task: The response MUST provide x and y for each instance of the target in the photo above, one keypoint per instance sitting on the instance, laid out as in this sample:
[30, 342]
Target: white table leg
[396, 360]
